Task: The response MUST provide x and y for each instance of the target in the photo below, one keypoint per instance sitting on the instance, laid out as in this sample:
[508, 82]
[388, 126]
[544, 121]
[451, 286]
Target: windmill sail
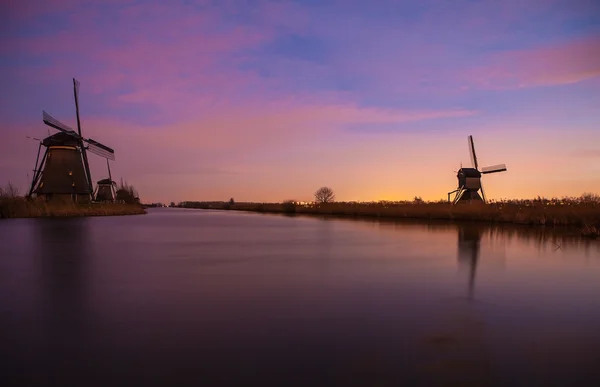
[56, 124]
[494, 169]
[482, 193]
[83, 153]
[472, 152]
[76, 94]
[100, 149]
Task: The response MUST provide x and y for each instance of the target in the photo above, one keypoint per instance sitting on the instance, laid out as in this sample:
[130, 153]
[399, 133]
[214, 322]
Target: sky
[269, 100]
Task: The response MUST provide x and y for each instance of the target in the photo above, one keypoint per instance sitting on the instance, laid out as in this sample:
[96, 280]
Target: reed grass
[580, 214]
[19, 207]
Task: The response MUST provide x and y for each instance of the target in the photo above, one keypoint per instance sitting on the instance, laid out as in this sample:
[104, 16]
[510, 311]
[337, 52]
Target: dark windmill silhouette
[105, 188]
[64, 169]
[469, 179]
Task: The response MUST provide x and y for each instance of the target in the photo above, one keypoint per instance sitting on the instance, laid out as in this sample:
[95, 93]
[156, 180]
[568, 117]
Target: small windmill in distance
[469, 179]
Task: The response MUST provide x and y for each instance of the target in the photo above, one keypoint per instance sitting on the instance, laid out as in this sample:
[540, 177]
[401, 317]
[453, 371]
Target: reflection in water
[469, 240]
[61, 255]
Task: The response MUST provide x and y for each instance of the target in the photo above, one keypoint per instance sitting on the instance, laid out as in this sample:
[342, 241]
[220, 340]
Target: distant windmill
[469, 179]
[105, 189]
[64, 168]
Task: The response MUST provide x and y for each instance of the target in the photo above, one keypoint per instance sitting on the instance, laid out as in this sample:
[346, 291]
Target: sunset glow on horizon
[270, 100]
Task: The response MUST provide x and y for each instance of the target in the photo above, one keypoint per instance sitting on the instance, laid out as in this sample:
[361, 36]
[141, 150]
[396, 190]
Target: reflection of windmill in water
[63, 302]
[469, 247]
[469, 179]
[64, 169]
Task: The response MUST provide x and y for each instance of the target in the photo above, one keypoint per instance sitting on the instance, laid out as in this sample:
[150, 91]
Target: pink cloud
[239, 127]
[177, 63]
[430, 53]
[565, 63]
[587, 153]
[25, 10]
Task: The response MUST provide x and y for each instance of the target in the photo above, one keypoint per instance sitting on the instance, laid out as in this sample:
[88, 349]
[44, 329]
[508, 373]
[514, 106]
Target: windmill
[105, 188]
[469, 179]
[64, 169]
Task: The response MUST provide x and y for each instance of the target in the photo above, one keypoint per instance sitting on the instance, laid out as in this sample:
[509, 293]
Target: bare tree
[127, 193]
[324, 195]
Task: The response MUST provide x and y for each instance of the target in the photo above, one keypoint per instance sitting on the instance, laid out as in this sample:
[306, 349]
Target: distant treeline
[579, 213]
[214, 205]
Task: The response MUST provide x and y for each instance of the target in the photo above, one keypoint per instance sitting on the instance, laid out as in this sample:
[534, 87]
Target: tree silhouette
[127, 193]
[324, 195]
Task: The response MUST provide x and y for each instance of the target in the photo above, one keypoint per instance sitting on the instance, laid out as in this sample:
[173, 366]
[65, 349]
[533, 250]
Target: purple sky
[269, 100]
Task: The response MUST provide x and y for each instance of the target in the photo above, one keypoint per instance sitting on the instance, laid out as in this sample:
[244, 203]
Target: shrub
[289, 206]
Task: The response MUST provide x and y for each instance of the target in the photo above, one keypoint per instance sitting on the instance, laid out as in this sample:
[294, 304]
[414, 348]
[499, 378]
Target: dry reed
[582, 214]
[19, 207]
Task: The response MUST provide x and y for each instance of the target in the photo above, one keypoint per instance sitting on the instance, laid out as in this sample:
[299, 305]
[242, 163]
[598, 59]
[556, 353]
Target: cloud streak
[587, 153]
[561, 64]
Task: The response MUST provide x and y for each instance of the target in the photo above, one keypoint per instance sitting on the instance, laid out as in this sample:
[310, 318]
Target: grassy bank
[18, 207]
[578, 215]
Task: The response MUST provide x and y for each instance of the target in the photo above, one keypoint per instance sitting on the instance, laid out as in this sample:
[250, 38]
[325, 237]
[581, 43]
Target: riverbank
[25, 208]
[580, 217]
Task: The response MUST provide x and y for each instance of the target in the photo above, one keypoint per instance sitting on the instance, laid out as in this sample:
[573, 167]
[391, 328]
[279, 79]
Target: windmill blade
[76, 94]
[76, 87]
[56, 124]
[472, 152]
[494, 169]
[483, 193]
[109, 174]
[100, 149]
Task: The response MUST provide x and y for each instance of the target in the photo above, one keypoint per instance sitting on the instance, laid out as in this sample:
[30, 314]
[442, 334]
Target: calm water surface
[192, 297]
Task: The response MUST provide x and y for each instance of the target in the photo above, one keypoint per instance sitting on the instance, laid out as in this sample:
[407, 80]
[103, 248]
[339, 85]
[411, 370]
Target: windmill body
[105, 191]
[63, 170]
[470, 188]
[105, 188]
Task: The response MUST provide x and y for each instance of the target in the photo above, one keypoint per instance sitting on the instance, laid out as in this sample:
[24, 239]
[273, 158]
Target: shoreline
[581, 219]
[14, 208]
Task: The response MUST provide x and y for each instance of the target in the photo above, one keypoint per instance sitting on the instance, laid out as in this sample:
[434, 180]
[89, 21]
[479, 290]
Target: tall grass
[12, 205]
[30, 208]
[581, 213]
